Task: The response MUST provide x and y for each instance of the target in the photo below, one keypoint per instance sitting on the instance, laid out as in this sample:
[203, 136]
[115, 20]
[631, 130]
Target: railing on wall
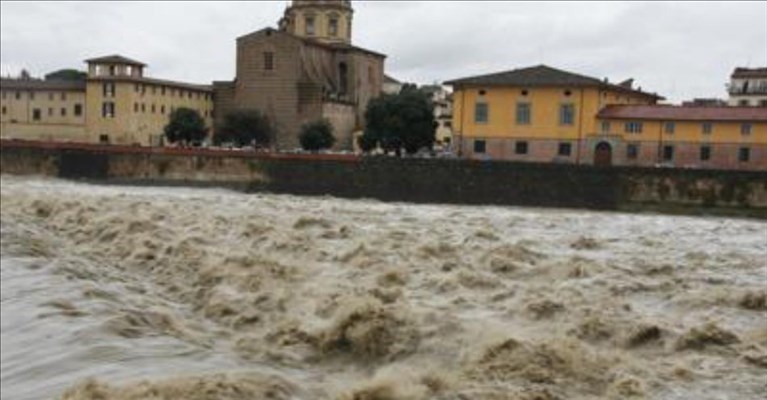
[173, 151]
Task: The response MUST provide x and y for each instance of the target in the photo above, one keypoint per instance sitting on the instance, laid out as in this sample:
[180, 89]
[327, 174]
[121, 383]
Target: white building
[391, 85]
[443, 113]
[748, 87]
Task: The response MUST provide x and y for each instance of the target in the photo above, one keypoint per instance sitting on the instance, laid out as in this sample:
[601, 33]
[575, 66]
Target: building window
[109, 89]
[705, 153]
[104, 139]
[63, 96]
[18, 95]
[50, 96]
[138, 88]
[743, 103]
[181, 93]
[190, 94]
[50, 111]
[520, 148]
[567, 114]
[707, 128]
[523, 113]
[63, 112]
[333, 27]
[31, 95]
[744, 154]
[481, 113]
[632, 151]
[565, 149]
[605, 127]
[343, 77]
[36, 114]
[162, 91]
[448, 124]
[310, 26]
[480, 146]
[668, 153]
[745, 129]
[108, 110]
[162, 109]
[154, 89]
[111, 70]
[153, 109]
[763, 103]
[669, 128]
[143, 108]
[633, 127]
[78, 110]
[5, 110]
[135, 107]
[129, 70]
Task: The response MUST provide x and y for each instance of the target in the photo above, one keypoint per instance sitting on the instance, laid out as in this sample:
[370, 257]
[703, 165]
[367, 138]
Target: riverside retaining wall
[408, 180]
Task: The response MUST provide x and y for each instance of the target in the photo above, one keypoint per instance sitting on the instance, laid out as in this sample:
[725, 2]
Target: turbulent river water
[155, 293]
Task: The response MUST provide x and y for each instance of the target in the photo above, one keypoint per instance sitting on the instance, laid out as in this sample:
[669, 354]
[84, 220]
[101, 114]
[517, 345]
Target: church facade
[306, 70]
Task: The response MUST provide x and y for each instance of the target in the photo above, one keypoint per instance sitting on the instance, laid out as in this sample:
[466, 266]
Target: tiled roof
[750, 73]
[389, 79]
[677, 113]
[311, 41]
[39, 84]
[541, 75]
[115, 59]
[161, 82]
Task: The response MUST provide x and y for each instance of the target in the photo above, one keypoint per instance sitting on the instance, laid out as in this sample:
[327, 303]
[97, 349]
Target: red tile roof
[677, 113]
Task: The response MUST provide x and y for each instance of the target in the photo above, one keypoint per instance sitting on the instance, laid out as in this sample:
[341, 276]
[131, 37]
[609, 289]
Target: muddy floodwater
[115, 292]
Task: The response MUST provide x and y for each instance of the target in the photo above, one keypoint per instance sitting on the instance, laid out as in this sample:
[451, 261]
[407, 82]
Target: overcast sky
[680, 50]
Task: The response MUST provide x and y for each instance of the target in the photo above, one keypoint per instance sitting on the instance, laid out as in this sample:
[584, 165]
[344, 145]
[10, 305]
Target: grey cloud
[681, 50]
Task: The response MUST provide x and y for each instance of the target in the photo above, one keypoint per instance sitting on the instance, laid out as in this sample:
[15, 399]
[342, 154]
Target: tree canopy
[397, 122]
[66, 75]
[317, 135]
[245, 128]
[186, 126]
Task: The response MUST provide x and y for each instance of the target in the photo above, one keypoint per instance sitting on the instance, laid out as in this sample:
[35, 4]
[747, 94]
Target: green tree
[404, 121]
[66, 75]
[245, 128]
[185, 126]
[317, 135]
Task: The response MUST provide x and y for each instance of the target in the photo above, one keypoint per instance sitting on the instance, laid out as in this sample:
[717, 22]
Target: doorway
[603, 155]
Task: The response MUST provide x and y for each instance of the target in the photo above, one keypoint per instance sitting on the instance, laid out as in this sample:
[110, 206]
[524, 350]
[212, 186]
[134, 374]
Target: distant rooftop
[389, 79]
[39, 84]
[543, 75]
[688, 113]
[115, 59]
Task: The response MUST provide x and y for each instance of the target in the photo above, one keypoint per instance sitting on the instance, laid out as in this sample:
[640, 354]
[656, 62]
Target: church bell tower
[328, 21]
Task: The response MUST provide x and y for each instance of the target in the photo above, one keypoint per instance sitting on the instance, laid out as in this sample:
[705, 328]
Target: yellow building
[116, 104]
[42, 110]
[542, 114]
[689, 137]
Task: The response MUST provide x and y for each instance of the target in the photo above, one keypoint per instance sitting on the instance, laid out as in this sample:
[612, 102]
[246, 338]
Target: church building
[306, 70]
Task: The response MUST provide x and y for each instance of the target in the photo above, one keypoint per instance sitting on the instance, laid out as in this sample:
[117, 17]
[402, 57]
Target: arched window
[333, 25]
[310, 28]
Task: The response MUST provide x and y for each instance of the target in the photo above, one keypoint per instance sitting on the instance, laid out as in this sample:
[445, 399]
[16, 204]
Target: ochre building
[116, 104]
[543, 114]
[306, 70]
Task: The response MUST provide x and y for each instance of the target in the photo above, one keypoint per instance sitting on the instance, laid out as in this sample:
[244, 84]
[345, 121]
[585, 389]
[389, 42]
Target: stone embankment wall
[740, 193]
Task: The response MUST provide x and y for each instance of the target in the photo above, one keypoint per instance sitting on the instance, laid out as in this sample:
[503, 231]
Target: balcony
[747, 89]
